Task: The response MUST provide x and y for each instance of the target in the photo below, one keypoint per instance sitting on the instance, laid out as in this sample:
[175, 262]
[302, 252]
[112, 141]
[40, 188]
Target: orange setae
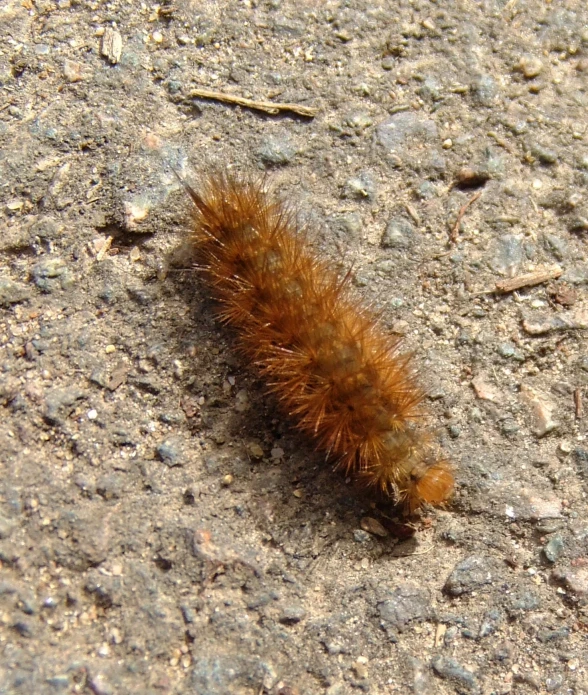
[343, 380]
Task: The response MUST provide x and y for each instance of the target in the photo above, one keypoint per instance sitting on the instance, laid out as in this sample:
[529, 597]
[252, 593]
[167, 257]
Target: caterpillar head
[429, 484]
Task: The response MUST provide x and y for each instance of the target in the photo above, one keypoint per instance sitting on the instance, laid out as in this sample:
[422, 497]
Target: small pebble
[541, 409]
[545, 155]
[530, 66]
[554, 549]
[292, 614]
[449, 668]
[255, 451]
[359, 535]
[170, 451]
[486, 391]
[72, 71]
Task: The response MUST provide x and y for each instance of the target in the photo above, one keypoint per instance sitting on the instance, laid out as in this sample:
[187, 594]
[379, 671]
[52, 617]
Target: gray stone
[398, 134]
[214, 674]
[581, 459]
[347, 226]
[358, 120]
[276, 150]
[544, 154]
[450, 669]
[522, 600]
[545, 636]
[420, 676]
[556, 245]
[492, 620]
[509, 427]
[45, 228]
[12, 292]
[430, 90]
[399, 234]
[170, 451]
[362, 187]
[471, 574]
[60, 402]
[508, 350]
[52, 274]
[92, 536]
[406, 604]
[110, 486]
[484, 90]
[507, 254]
[554, 682]
[7, 526]
[575, 275]
[554, 549]
[106, 591]
[362, 536]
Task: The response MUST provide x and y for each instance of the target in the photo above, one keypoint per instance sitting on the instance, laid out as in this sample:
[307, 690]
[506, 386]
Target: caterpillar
[322, 352]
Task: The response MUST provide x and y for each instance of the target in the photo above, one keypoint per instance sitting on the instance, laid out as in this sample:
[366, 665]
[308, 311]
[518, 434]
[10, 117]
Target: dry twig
[267, 106]
[578, 406]
[528, 280]
[460, 214]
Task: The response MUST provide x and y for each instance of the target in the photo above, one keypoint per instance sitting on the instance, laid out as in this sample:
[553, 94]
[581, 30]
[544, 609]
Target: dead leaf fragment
[373, 526]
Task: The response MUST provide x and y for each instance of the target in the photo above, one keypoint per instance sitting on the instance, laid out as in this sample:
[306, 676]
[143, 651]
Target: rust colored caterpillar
[322, 353]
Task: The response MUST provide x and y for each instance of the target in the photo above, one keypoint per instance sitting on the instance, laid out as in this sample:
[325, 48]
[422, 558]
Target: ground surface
[162, 529]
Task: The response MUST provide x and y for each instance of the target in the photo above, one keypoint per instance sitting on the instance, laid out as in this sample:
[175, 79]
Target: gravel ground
[161, 529]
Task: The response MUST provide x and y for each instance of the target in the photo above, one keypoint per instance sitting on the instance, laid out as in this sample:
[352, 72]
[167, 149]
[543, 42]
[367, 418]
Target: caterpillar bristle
[324, 355]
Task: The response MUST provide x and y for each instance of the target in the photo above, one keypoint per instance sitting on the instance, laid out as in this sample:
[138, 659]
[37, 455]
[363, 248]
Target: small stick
[460, 214]
[579, 410]
[528, 280]
[267, 106]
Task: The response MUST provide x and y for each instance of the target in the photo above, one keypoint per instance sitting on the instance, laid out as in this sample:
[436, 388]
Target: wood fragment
[111, 45]
[103, 245]
[440, 631]
[578, 405]
[528, 280]
[266, 106]
[460, 214]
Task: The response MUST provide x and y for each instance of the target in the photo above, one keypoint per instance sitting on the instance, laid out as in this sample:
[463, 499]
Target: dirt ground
[162, 528]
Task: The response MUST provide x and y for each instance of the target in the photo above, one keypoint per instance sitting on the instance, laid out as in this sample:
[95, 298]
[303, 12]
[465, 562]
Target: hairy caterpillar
[343, 381]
